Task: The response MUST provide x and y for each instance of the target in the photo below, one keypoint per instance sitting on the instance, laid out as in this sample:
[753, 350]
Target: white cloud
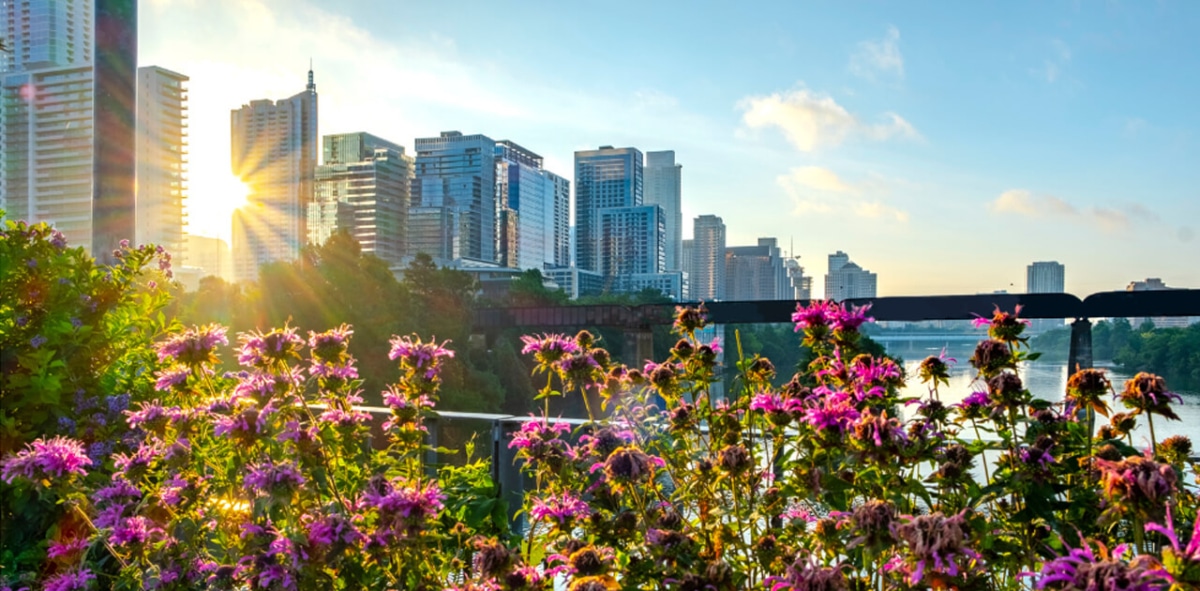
[1058, 60]
[811, 120]
[881, 57]
[817, 190]
[1024, 203]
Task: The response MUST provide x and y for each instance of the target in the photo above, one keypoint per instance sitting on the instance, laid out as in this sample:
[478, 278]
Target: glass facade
[604, 178]
[664, 189]
[455, 189]
[534, 205]
[363, 188]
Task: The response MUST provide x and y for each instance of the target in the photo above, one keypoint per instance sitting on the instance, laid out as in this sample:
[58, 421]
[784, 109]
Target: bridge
[637, 322]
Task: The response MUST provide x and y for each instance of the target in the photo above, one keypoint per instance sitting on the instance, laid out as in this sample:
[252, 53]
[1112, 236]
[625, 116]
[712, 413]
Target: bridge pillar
[1080, 356]
[639, 345]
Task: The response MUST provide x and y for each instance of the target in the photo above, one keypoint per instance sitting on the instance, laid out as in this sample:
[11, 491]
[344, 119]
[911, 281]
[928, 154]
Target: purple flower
[807, 574]
[56, 458]
[194, 346]
[560, 509]
[172, 490]
[58, 240]
[1138, 484]
[117, 404]
[848, 319]
[152, 417]
[67, 550]
[331, 344]
[419, 358]
[37, 341]
[243, 426]
[817, 316]
[339, 417]
[171, 378]
[119, 491]
[1178, 561]
[262, 387]
[1080, 568]
[262, 349]
[628, 463]
[329, 530]
[133, 466]
[271, 479]
[832, 415]
[773, 403]
[336, 371]
[936, 543]
[75, 580]
[403, 507]
[548, 348]
[134, 530]
[537, 432]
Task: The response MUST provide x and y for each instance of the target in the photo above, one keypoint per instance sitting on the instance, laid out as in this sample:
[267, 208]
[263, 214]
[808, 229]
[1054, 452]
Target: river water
[1047, 380]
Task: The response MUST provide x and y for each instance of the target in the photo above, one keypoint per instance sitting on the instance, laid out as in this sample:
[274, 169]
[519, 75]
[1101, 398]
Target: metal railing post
[1080, 356]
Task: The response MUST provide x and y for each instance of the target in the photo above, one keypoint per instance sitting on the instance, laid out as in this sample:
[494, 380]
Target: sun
[212, 199]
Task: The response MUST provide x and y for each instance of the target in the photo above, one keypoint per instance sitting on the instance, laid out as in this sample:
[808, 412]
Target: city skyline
[909, 137]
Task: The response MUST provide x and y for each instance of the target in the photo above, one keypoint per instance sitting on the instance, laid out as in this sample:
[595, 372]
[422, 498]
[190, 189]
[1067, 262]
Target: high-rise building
[69, 69]
[114, 167]
[846, 280]
[162, 159]
[1157, 284]
[454, 198]
[756, 273]
[605, 177]
[274, 152]
[631, 240]
[801, 283]
[663, 188]
[534, 210]
[1045, 277]
[362, 188]
[48, 149]
[706, 279]
[210, 254]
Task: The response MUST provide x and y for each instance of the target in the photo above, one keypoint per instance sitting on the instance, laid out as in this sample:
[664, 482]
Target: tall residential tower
[161, 158]
[663, 188]
[274, 152]
[707, 280]
[62, 80]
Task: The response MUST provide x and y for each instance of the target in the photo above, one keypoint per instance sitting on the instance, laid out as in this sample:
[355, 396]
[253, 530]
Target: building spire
[312, 86]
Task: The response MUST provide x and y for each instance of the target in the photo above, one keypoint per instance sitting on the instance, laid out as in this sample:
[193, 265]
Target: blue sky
[942, 145]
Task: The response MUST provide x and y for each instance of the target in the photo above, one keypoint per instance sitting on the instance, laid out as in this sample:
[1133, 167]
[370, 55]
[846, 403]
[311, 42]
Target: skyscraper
[631, 240]
[605, 177]
[535, 209]
[663, 188]
[274, 152]
[61, 81]
[1045, 277]
[363, 188]
[114, 167]
[454, 198]
[707, 279]
[756, 273]
[161, 158]
[846, 280]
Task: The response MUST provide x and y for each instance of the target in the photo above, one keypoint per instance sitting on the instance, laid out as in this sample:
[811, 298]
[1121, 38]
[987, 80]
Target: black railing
[637, 321]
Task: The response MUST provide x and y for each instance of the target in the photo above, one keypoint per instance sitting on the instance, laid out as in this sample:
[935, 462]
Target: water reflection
[1046, 379]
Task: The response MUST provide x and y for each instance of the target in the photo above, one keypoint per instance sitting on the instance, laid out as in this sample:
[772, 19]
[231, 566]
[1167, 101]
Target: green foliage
[75, 347]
